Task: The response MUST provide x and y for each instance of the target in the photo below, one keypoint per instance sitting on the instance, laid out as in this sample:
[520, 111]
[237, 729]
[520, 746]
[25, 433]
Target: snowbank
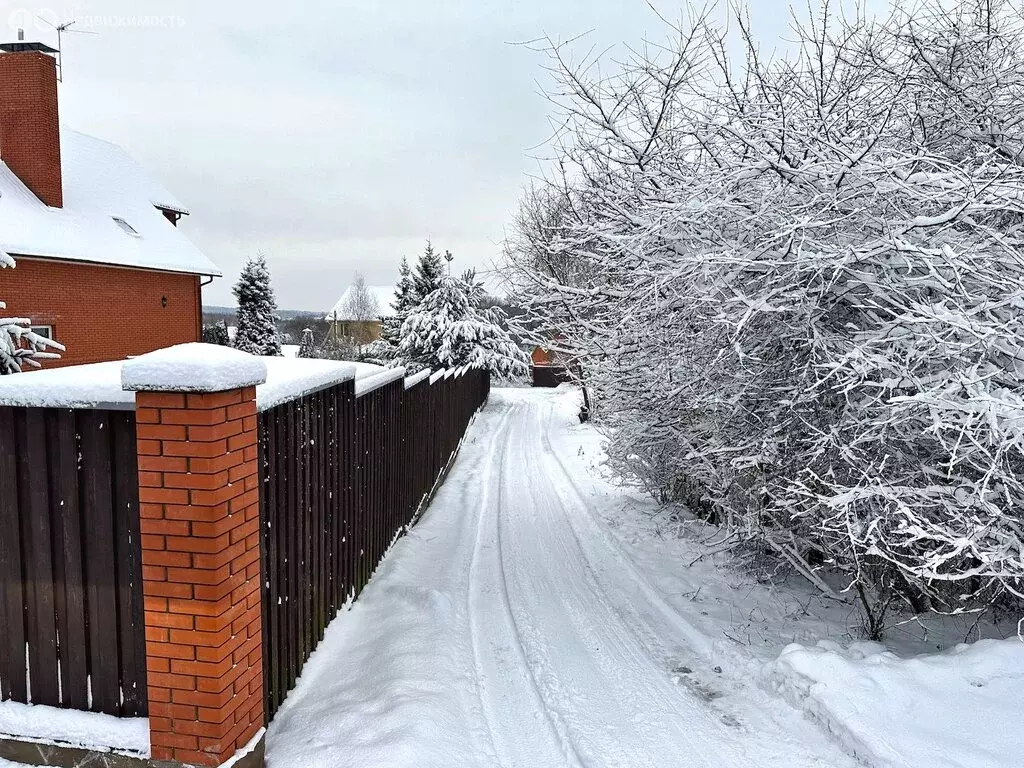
[959, 709]
[86, 730]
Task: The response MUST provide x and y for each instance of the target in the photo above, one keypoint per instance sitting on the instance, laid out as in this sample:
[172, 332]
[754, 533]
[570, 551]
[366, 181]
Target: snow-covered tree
[429, 273]
[19, 346]
[360, 305]
[449, 329]
[257, 324]
[380, 352]
[217, 333]
[307, 347]
[404, 302]
[796, 290]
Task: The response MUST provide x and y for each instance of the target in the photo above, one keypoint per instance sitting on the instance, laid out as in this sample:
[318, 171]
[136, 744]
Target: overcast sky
[334, 136]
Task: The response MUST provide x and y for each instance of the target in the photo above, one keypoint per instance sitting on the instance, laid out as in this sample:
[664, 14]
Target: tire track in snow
[619, 704]
[490, 652]
[765, 729]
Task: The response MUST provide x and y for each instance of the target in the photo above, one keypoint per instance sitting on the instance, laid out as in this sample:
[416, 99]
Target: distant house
[547, 368]
[359, 326]
[101, 264]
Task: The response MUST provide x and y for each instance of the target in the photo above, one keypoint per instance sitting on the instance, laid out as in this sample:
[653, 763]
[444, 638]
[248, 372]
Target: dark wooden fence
[342, 476]
[70, 561]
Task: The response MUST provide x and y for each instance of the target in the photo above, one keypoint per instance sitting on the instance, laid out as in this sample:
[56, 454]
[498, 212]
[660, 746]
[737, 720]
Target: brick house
[101, 265]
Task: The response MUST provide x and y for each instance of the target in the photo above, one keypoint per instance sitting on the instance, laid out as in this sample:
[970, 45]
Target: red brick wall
[29, 123]
[103, 313]
[199, 509]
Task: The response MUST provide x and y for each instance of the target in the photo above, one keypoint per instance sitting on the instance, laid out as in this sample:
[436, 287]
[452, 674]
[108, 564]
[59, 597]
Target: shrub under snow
[796, 291]
[19, 346]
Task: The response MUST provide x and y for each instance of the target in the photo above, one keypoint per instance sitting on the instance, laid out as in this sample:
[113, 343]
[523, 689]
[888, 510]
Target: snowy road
[509, 629]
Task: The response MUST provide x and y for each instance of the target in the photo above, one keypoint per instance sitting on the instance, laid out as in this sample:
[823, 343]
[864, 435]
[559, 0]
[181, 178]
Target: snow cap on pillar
[193, 367]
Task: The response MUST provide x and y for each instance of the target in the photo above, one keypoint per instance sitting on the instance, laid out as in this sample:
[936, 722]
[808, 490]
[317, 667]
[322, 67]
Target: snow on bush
[19, 346]
[795, 288]
[449, 329]
[257, 326]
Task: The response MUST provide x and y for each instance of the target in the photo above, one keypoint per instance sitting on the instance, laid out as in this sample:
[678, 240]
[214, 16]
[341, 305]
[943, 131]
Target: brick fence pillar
[199, 508]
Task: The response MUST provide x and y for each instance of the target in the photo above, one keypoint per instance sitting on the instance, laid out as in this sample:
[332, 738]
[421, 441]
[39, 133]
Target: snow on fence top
[416, 378]
[291, 378]
[196, 368]
[80, 386]
[193, 368]
[370, 383]
[100, 385]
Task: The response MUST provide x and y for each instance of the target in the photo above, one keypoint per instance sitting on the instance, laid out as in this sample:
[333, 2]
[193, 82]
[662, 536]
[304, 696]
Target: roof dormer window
[127, 228]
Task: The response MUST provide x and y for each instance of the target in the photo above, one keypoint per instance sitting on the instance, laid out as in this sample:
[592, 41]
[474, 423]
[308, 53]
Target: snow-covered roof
[384, 294]
[102, 183]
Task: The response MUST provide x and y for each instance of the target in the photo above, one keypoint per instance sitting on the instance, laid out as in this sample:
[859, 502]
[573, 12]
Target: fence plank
[128, 562]
[34, 503]
[62, 444]
[13, 683]
[98, 535]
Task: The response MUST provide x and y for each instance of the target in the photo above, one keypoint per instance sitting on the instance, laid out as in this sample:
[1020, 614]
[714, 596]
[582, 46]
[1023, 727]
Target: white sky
[334, 136]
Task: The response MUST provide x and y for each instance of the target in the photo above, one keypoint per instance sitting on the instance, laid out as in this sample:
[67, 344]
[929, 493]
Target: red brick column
[199, 506]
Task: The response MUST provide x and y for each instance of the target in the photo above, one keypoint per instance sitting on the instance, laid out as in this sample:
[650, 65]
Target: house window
[46, 331]
[127, 228]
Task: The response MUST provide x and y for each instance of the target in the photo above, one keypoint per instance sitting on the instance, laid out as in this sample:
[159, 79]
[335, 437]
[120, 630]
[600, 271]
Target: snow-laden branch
[803, 311]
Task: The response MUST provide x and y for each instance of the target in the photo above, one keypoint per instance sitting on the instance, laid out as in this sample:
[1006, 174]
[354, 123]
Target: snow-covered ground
[514, 627]
[540, 615]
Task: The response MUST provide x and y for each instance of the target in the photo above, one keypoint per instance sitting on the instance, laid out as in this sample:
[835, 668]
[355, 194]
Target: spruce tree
[403, 303]
[257, 327]
[19, 346]
[450, 328]
[307, 347]
[429, 272]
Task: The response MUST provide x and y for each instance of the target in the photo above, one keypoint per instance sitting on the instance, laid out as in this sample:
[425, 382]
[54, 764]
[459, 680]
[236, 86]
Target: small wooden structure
[548, 370]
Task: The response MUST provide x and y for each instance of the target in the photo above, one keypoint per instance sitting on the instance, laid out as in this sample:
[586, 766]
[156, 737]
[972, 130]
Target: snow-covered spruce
[428, 275]
[404, 302]
[449, 329]
[257, 327]
[795, 291]
[307, 346]
[19, 345]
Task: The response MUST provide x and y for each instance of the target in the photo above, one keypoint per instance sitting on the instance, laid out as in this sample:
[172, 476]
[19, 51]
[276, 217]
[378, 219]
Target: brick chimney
[29, 124]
